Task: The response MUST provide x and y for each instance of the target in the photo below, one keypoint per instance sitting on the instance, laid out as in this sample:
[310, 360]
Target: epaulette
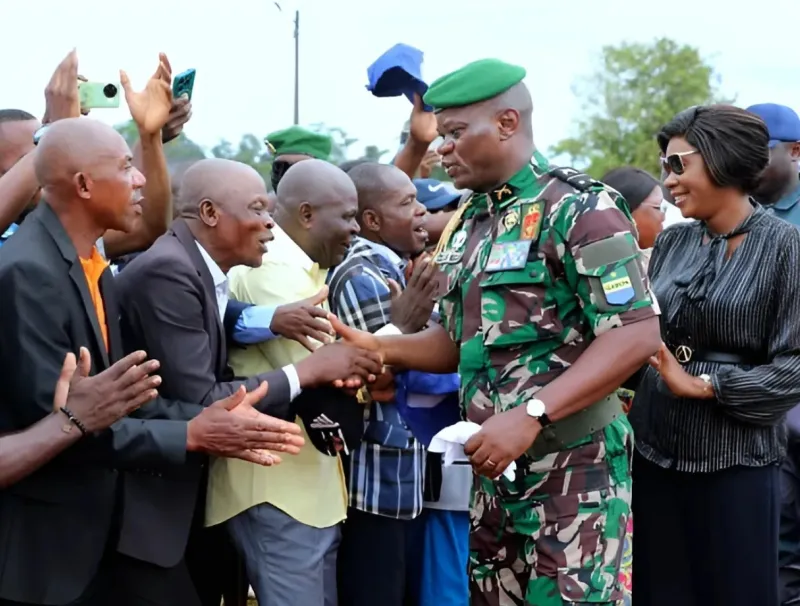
[580, 181]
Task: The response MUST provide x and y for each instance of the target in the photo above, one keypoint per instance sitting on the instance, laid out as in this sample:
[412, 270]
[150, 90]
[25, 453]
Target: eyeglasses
[674, 162]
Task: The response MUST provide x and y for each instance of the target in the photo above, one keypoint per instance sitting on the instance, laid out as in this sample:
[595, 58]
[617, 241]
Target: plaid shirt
[385, 473]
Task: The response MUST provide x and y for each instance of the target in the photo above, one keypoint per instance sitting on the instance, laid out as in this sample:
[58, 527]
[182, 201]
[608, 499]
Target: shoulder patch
[580, 181]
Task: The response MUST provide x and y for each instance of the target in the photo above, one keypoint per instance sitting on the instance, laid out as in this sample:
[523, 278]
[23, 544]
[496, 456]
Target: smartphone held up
[98, 95]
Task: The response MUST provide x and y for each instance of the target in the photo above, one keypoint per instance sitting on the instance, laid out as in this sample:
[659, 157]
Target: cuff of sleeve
[294, 381]
[389, 330]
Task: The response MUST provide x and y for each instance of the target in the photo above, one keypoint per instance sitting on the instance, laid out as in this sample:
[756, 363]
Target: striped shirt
[745, 305]
[385, 473]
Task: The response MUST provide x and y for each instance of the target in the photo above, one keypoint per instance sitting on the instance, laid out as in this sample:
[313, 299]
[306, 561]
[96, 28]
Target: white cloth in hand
[450, 442]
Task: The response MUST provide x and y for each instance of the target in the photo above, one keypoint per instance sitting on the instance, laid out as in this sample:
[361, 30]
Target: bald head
[317, 208]
[312, 182]
[375, 181]
[218, 180]
[77, 145]
[87, 176]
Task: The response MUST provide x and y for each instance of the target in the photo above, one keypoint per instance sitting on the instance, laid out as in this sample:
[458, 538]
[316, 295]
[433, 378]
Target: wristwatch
[37, 136]
[535, 408]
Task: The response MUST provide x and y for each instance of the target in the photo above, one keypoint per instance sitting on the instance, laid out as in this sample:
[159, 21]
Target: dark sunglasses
[674, 162]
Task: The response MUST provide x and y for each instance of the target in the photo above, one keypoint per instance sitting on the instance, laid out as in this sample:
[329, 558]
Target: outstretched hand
[150, 108]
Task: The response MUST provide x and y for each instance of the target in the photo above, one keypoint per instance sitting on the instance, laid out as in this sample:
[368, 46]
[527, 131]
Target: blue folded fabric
[398, 72]
[425, 423]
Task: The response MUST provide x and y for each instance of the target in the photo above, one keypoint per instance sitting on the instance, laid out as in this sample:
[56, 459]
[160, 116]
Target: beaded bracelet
[73, 419]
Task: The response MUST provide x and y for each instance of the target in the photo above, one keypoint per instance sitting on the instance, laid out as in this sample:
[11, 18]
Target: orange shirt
[93, 268]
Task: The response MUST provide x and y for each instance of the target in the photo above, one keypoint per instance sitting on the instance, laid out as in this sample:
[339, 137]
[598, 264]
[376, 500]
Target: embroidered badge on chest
[511, 219]
[617, 287]
[455, 252]
[508, 255]
[532, 215]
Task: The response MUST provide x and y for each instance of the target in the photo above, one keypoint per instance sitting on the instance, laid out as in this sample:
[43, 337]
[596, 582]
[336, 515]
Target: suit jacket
[170, 310]
[56, 523]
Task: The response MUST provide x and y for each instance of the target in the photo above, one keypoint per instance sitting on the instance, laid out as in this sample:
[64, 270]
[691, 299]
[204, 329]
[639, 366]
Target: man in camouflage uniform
[541, 265]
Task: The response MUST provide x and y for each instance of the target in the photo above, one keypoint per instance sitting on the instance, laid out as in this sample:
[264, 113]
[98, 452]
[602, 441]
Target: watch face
[535, 408]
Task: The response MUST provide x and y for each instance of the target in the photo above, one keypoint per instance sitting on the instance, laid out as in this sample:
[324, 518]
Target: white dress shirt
[222, 294]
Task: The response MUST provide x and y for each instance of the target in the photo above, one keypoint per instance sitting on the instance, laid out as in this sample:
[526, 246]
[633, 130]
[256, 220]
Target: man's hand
[680, 382]
[429, 162]
[383, 389]
[422, 126]
[503, 438]
[99, 401]
[233, 428]
[411, 310]
[339, 364]
[150, 108]
[303, 320]
[61, 94]
[358, 338]
[179, 114]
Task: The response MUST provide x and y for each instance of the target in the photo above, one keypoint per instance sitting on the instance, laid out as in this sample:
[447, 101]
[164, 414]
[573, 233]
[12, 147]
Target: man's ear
[794, 151]
[83, 185]
[508, 123]
[208, 213]
[370, 220]
[305, 214]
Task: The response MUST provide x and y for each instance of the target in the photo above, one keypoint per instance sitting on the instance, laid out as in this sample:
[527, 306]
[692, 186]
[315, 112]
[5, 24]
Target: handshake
[231, 427]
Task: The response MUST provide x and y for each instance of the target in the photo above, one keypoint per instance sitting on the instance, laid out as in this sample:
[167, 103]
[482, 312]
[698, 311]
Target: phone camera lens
[110, 91]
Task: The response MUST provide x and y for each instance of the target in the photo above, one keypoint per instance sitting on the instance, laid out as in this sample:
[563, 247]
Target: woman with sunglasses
[708, 412]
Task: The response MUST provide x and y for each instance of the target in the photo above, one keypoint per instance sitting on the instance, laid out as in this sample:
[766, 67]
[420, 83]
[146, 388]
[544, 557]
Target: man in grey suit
[174, 298]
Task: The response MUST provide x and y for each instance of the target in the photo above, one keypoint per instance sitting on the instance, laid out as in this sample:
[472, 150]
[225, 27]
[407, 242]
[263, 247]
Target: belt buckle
[683, 353]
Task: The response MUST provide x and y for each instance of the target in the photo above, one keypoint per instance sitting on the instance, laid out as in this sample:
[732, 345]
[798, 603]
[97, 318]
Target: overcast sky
[243, 52]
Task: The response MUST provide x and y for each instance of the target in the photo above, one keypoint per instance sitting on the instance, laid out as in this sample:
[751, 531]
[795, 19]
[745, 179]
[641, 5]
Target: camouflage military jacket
[535, 271]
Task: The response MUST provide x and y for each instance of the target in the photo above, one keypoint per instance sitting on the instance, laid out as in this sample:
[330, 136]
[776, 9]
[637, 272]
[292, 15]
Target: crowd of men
[214, 384]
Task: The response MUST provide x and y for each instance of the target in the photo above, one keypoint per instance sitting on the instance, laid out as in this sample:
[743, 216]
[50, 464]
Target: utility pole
[297, 66]
[296, 62]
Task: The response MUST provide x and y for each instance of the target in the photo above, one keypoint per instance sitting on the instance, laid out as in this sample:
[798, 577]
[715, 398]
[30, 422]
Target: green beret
[477, 81]
[298, 140]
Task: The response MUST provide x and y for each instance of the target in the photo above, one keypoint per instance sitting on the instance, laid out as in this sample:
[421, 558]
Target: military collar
[501, 196]
[789, 200]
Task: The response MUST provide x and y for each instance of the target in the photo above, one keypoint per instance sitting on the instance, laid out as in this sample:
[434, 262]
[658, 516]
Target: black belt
[685, 354]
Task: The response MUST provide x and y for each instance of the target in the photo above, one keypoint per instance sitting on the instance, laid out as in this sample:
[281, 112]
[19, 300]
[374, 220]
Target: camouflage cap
[477, 81]
[298, 140]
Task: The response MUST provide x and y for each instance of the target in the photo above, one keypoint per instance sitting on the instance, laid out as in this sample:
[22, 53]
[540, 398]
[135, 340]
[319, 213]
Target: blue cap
[434, 194]
[397, 72]
[782, 122]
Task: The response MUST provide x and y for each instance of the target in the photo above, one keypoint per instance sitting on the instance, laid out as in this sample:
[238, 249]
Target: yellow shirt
[310, 486]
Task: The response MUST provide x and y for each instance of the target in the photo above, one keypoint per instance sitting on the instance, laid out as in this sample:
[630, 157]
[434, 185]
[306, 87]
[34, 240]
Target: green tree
[373, 153]
[637, 89]
[251, 150]
[178, 150]
[340, 141]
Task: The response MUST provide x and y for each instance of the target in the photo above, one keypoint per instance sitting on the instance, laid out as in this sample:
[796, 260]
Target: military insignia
[531, 220]
[511, 219]
[503, 191]
[617, 287]
[508, 255]
[459, 239]
[270, 147]
[446, 257]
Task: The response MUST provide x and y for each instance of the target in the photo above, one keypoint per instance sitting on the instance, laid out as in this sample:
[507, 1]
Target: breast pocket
[515, 309]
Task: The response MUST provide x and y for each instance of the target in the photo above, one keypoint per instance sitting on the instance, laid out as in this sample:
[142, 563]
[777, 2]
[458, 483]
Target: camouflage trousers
[555, 535]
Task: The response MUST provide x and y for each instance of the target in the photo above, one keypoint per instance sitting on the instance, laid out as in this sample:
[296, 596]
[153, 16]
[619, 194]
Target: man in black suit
[174, 297]
[56, 296]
